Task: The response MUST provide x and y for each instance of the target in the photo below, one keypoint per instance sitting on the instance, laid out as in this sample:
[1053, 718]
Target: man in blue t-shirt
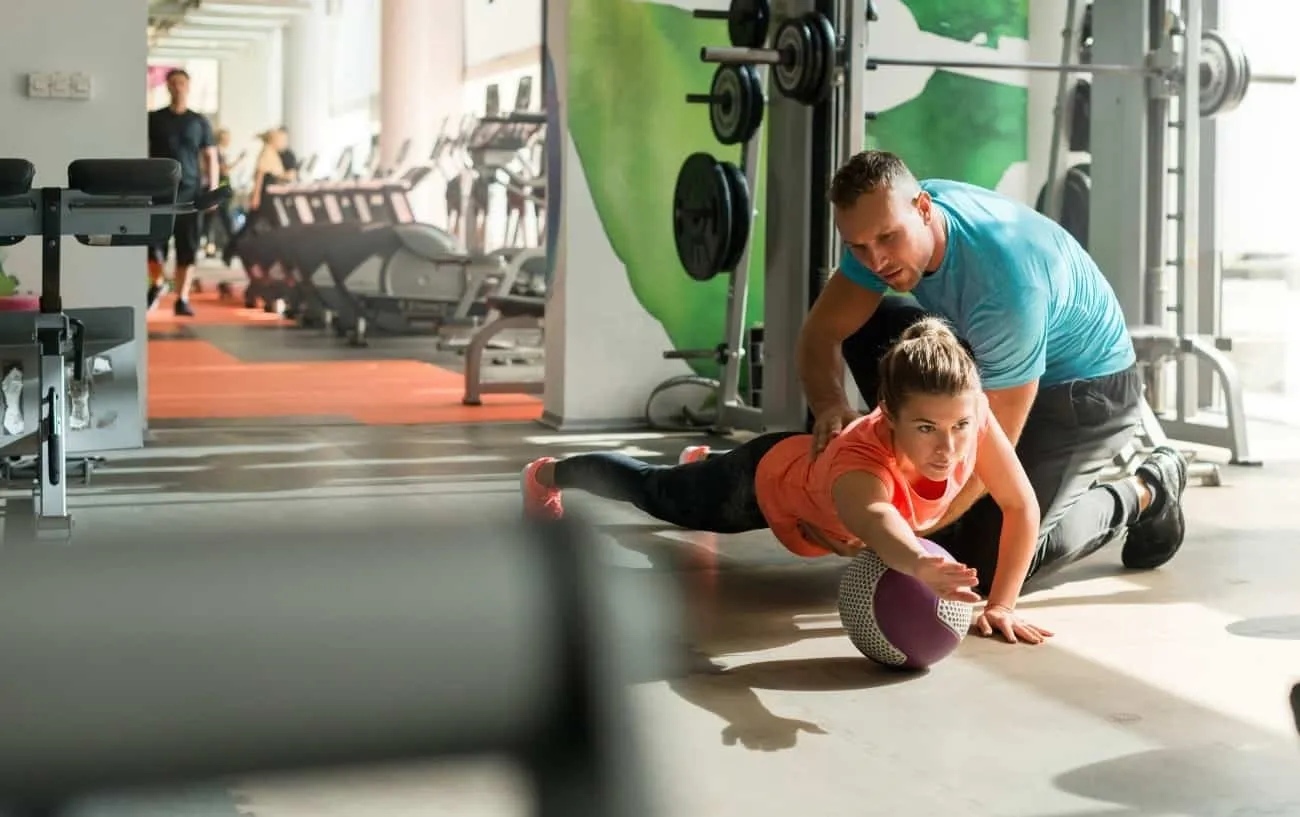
[1046, 331]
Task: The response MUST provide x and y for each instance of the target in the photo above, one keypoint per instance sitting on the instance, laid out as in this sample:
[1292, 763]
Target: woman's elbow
[1021, 508]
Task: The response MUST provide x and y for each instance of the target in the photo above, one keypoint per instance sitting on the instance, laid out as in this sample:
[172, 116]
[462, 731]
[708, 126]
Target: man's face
[178, 85]
[890, 234]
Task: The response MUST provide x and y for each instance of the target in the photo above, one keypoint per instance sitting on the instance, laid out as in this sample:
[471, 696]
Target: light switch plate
[38, 84]
[60, 85]
[81, 85]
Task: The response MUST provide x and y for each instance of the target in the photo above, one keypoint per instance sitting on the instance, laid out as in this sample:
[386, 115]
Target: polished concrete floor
[1163, 693]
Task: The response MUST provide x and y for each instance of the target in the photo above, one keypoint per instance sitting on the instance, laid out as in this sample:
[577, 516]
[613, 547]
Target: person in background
[269, 170]
[288, 159]
[176, 132]
[221, 215]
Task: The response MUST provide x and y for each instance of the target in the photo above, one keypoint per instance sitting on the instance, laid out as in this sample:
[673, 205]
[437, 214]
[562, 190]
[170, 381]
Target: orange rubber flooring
[192, 379]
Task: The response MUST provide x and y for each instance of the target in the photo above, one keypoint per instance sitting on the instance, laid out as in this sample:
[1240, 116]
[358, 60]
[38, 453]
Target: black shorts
[185, 232]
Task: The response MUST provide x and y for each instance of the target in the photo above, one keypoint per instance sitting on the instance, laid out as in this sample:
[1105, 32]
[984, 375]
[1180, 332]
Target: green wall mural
[630, 65]
[960, 127]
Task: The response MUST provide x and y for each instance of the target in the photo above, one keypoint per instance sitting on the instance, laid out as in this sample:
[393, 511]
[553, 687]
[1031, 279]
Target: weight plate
[1081, 116]
[825, 46]
[747, 22]
[726, 111]
[702, 216]
[1225, 74]
[1076, 201]
[742, 214]
[757, 101]
[810, 69]
[791, 42]
[736, 111]
[1243, 61]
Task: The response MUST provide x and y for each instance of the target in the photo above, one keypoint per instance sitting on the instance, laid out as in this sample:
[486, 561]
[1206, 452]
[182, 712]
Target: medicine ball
[896, 620]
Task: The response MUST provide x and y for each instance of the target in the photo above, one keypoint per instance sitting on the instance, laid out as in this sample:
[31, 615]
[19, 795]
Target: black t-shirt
[183, 137]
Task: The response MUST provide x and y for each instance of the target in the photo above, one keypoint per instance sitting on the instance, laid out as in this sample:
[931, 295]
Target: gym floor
[1163, 693]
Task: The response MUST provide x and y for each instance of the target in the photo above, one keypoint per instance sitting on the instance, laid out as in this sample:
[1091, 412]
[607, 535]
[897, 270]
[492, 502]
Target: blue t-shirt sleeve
[856, 271]
[1008, 333]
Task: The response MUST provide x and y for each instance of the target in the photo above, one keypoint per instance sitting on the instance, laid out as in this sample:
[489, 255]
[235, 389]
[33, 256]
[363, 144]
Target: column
[307, 68]
[422, 66]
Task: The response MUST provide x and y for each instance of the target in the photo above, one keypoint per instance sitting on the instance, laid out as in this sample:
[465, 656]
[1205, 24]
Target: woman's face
[932, 432]
[279, 139]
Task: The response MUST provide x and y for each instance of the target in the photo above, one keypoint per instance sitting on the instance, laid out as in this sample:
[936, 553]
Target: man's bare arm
[840, 310]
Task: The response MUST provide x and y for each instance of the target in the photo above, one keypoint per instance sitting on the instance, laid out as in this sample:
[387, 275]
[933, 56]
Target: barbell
[805, 54]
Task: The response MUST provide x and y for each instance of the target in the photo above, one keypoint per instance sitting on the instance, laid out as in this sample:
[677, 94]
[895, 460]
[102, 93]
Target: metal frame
[1180, 266]
[105, 219]
[805, 145]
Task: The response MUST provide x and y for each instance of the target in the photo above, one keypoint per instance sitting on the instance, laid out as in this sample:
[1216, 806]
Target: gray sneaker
[1158, 534]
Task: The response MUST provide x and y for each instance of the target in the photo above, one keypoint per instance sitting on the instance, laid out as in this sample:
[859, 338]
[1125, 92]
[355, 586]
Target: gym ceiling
[215, 29]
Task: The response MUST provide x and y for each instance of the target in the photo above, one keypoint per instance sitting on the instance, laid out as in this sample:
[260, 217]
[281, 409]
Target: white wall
[251, 96]
[499, 28]
[1258, 161]
[106, 39]
[1046, 20]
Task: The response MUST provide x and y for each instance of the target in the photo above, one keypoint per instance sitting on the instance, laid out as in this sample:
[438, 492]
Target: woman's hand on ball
[998, 620]
[949, 580]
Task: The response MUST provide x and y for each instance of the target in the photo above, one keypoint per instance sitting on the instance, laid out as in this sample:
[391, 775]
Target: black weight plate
[1076, 202]
[742, 214]
[1081, 116]
[727, 110]
[737, 109]
[701, 216]
[756, 101]
[791, 41]
[819, 84]
[811, 67]
[747, 22]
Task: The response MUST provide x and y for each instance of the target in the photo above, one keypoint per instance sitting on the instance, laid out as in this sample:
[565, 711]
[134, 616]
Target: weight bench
[1156, 345]
[513, 312]
[56, 403]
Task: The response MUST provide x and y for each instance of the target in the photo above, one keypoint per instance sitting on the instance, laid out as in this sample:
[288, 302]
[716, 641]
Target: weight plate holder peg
[735, 103]
[825, 49]
[1225, 74]
[742, 215]
[747, 21]
[702, 216]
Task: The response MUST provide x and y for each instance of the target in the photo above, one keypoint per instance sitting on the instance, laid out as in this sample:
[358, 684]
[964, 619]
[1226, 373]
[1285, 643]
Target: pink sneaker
[693, 453]
[539, 501]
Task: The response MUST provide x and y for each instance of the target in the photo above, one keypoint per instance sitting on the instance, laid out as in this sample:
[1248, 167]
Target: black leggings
[715, 494]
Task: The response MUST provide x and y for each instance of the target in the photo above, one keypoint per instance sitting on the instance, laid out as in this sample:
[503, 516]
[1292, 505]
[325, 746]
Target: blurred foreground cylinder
[148, 663]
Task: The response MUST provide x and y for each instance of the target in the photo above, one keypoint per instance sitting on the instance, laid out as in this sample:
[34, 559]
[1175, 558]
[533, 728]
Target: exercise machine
[508, 312]
[53, 387]
[360, 657]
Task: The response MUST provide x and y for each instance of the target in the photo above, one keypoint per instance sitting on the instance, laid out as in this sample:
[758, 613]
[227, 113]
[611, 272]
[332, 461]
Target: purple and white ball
[897, 620]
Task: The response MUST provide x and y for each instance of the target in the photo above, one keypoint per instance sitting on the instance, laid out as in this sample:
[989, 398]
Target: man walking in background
[176, 132]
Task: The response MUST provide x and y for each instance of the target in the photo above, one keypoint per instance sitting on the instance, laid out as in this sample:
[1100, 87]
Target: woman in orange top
[886, 476]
